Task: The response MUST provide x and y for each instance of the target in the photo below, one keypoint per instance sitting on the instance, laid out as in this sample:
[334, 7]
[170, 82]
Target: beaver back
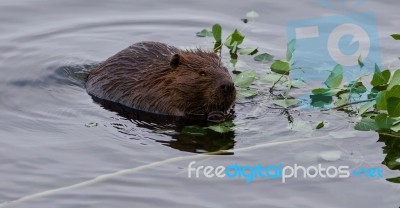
[163, 79]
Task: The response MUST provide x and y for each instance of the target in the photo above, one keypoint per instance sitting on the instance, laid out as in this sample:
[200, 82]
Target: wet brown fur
[141, 77]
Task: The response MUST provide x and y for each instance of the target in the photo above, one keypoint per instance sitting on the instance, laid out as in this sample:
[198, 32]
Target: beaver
[158, 78]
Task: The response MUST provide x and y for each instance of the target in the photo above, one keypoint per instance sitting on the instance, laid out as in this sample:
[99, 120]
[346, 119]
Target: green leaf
[365, 107]
[320, 125]
[381, 103]
[234, 39]
[248, 51]
[391, 149]
[335, 78]
[380, 78]
[252, 14]
[233, 51]
[204, 33]
[395, 128]
[396, 36]
[320, 100]
[290, 50]
[291, 45]
[394, 92]
[217, 46]
[397, 121]
[357, 87]
[386, 75]
[298, 83]
[289, 57]
[233, 61]
[280, 67]
[343, 94]
[326, 92]
[393, 106]
[222, 127]
[245, 93]
[383, 121]
[373, 93]
[360, 61]
[91, 124]
[194, 130]
[366, 124]
[271, 78]
[341, 101]
[264, 57]
[394, 180]
[246, 78]
[395, 79]
[286, 102]
[217, 32]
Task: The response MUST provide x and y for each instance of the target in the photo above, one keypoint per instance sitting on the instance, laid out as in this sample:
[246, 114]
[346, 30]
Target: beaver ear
[175, 61]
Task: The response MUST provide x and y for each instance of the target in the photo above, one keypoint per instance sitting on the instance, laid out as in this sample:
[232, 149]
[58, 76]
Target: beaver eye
[203, 73]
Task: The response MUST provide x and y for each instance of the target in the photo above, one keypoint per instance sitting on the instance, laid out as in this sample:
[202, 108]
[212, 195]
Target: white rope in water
[143, 167]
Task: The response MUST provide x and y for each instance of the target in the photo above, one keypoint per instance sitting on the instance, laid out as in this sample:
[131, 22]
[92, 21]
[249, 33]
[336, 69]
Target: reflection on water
[64, 75]
[171, 126]
[391, 149]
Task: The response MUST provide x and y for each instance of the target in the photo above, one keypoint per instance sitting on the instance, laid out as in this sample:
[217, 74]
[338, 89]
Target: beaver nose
[227, 87]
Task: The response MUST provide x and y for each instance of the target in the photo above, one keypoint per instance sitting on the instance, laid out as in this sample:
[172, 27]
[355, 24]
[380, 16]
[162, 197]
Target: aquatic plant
[380, 111]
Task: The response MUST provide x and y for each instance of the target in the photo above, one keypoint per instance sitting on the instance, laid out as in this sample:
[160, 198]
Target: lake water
[52, 155]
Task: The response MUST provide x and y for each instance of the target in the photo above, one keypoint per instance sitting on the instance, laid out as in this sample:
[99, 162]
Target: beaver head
[202, 81]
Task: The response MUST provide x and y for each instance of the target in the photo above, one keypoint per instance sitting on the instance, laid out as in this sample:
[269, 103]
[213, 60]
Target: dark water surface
[49, 156]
